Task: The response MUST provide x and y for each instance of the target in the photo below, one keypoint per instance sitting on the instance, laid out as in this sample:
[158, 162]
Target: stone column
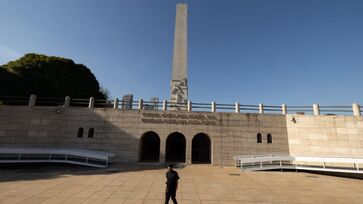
[189, 106]
[162, 149]
[115, 103]
[316, 109]
[260, 108]
[284, 109]
[32, 100]
[213, 106]
[356, 109]
[141, 104]
[188, 151]
[67, 101]
[91, 102]
[237, 109]
[165, 105]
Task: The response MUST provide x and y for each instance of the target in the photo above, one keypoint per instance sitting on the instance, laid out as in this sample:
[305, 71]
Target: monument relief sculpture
[180, 91]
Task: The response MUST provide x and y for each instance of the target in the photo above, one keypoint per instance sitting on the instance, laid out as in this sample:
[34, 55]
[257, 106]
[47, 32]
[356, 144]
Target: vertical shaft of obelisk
[179, 82]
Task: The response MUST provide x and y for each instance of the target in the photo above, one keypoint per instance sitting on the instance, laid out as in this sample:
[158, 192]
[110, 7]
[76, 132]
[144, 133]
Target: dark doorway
[149, 147]
[269, 138]
[175, 148]
[201, 149]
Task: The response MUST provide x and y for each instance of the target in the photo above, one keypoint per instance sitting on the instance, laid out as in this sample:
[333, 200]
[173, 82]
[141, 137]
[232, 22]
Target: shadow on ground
[315, 174]
[18, 172]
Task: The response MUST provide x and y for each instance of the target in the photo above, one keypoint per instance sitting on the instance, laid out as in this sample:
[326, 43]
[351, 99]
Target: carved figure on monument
[180, 99]
[184, 82]
[179, 90]
[178, 87]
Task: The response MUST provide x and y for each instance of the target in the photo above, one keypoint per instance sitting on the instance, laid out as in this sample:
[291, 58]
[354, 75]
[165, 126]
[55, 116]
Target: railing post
[213, 106]
[316, 109]
[189, 107]
[32, 100]
[260, 108]
[236, 108]
[284, 109]
[356, 109]
[141, 104]
[165, 107]
[67, 101]
[91, 102]
[115, 103]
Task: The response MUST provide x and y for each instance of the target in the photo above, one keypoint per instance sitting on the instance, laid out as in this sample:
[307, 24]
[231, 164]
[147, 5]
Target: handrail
[57, 155]
[315, 163]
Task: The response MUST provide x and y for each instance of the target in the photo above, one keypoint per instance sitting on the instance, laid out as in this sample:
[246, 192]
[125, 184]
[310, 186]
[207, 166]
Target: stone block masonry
[231, 134]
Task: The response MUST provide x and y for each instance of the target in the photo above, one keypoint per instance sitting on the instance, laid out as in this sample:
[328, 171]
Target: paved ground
[198, 184]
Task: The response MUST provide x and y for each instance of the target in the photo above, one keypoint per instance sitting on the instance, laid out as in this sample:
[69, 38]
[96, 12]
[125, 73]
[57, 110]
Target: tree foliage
[48, 76]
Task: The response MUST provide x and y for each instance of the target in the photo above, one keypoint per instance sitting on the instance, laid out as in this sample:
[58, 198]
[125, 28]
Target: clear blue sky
[296, 52]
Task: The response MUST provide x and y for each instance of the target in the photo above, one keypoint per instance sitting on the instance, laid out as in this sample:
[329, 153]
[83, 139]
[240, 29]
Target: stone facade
[322, 135]
[231, 134]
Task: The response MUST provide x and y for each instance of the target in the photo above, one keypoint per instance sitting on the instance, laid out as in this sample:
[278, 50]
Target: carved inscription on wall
[183, 119]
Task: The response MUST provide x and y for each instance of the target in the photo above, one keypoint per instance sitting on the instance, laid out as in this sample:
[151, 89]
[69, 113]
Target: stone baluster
[141, 104]
[32, 100]
[165, 105]
[237, 108]
[213, 106]
[91, 102]
[284, 109]
[316, 109]
[189, 107]
[67, 101]
[356, 109]
[115, 103]
[260, 108]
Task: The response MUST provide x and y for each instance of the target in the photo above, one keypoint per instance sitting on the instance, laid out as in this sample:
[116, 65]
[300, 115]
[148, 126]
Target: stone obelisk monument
[179, 81]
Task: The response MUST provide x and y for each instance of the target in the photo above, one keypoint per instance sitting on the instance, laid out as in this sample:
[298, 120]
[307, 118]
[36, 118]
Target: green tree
[48, 76]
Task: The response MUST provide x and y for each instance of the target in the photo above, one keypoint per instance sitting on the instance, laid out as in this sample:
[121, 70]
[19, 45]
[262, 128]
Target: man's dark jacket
[172, 181]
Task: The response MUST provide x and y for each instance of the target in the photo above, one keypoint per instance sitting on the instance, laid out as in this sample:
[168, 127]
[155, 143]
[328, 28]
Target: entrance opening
[149, 147]
[175, 148]
[201, 149]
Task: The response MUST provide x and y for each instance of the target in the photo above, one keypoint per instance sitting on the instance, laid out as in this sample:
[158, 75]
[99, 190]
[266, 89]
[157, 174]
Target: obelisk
[179, 81]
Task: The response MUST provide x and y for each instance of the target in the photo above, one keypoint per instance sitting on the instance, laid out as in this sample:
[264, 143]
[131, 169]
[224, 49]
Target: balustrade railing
[14, 100]
[165, 105]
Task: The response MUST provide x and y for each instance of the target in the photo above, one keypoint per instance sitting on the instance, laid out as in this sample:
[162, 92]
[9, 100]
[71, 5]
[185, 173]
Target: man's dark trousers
[170, 193]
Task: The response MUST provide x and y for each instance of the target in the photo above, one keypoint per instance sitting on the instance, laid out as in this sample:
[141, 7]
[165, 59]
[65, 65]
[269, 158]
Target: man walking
[172, 178]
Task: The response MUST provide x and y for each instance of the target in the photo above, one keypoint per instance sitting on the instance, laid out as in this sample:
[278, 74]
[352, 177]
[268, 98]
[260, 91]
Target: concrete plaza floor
[146, 184]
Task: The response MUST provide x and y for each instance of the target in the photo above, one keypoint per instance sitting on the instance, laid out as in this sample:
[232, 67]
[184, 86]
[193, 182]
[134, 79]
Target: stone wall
[324, 135]
[119, 131]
